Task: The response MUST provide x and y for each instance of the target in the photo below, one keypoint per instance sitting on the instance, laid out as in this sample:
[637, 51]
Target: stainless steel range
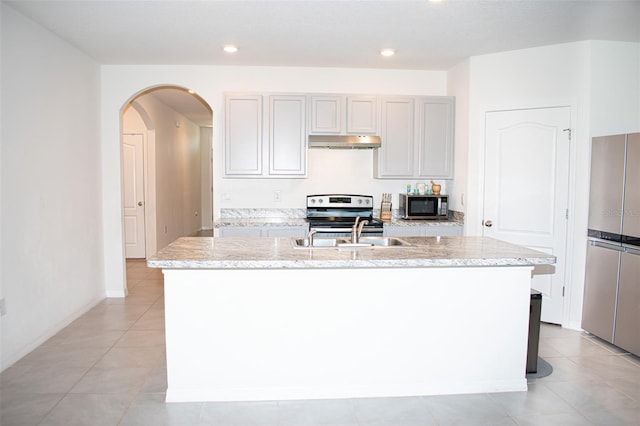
[335, 214]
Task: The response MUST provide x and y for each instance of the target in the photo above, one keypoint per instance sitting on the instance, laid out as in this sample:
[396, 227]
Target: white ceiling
[318, 33]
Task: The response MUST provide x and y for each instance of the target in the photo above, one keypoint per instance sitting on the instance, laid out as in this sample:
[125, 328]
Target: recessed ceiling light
[387, 52]
[230, 49]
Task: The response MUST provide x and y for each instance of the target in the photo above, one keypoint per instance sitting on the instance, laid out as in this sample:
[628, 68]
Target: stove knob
[359, 200]
[320, 200]
[312, 200]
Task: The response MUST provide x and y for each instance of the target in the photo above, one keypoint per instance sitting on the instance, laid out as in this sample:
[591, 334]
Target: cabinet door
[243, 135]
[443, 231]
[403, 231]
[435, 137]
[326, 114]
[362, 115]
[240, 231]
[627, 335]
[395, 157]
[287, 135]
[287, 231]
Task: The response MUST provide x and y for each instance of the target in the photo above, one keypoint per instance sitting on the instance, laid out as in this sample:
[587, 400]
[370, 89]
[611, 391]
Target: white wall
[458, 85]
[52, 258]
[340, 171]
[615, 88]
[599, 80]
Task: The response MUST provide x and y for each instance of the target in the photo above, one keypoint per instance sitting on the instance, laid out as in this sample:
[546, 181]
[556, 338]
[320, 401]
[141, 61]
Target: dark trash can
[534, 331]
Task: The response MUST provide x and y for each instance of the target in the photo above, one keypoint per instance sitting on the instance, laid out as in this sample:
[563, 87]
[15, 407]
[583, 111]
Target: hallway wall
[52, 242]
[177, 171]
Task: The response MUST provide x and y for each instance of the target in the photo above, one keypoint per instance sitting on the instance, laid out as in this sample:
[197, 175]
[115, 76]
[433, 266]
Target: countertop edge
[314, 264]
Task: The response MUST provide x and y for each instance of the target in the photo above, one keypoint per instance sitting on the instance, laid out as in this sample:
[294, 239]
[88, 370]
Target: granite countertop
[278, 253]
[294, 221]
[261, 221]
[296, 217]
[416, 222]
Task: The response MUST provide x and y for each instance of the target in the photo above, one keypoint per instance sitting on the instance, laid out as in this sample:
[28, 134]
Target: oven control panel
[340, 200]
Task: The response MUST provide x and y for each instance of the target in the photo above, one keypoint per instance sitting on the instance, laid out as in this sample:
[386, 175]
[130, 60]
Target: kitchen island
[257, 319]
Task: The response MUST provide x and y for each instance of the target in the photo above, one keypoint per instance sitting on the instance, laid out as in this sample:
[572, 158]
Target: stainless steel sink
[384, 241]
[346, 242]
[318, 242]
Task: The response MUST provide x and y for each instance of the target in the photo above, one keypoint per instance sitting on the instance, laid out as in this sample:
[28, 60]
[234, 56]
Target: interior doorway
[133, 199]
[166, 141]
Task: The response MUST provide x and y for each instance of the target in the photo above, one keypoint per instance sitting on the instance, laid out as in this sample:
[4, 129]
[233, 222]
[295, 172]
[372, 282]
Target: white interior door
[133, 182]
[526, 187]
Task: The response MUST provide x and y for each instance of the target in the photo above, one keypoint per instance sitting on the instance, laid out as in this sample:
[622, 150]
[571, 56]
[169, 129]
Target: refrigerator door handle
[633, 251]
[606, 246]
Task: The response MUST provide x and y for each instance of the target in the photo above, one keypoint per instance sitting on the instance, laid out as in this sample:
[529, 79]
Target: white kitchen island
[252, 319]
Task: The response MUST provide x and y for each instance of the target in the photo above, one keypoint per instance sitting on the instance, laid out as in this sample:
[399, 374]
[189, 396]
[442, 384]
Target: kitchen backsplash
[256, 213]
[229, 213]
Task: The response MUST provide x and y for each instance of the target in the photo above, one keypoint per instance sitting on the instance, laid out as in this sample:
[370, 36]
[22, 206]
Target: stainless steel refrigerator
[611, 308]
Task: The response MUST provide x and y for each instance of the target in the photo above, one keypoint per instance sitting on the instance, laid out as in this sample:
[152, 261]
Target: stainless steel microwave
[423, 206]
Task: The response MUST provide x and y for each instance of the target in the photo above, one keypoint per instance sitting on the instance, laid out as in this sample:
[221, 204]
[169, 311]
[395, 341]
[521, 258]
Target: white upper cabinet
[435, 137]
[417, 138]
[362, 115]
[326, 114]
[266, 134]
[243, 135]
[343, 114]
[267, 140]
[287, 135]
[395, 157]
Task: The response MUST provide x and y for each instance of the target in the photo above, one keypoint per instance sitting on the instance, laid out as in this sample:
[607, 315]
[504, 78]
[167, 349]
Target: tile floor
[107, 368]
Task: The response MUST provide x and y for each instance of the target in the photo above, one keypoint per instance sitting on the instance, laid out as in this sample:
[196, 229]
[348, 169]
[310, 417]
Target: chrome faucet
[356, 230]
[310, 237]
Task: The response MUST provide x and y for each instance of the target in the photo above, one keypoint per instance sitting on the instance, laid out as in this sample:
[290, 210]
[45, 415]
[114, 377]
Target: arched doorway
[166, 162]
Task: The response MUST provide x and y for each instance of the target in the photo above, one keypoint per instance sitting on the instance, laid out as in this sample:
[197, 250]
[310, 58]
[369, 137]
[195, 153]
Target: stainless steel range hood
[344, 142]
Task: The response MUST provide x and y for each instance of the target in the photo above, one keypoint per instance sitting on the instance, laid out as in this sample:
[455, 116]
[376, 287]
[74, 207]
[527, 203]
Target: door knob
[140, 203]
[488, 223]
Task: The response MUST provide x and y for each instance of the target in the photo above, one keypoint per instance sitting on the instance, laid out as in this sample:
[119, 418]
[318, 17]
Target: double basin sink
[345, 242]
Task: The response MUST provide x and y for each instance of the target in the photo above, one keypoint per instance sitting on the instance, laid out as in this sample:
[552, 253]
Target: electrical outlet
[3, 307]
[277, 196]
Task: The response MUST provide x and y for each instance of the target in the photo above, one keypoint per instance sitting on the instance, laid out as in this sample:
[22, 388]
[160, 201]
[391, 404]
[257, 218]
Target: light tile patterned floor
[108, 368]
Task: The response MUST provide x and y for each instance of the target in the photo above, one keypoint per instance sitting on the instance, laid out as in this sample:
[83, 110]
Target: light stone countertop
[261, 221]
[296, 217]
[278, 253]
[436, 222]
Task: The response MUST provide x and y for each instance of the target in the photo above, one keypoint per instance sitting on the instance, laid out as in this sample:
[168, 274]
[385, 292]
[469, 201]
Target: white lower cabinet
[422, 231]
[263, 231]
